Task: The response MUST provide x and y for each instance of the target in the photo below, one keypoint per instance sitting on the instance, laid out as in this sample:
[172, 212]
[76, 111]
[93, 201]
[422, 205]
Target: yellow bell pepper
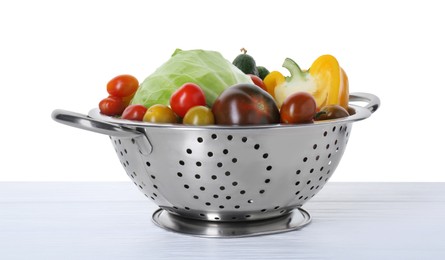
[344, 90]
[325, 80]
[273, 79]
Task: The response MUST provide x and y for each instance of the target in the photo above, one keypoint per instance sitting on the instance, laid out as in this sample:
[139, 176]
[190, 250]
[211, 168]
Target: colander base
[292, 221]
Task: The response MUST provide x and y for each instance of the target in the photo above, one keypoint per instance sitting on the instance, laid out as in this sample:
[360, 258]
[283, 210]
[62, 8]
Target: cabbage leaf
[208, 69]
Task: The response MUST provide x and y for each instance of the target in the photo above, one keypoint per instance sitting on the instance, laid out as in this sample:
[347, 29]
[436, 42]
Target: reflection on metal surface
[292, 221]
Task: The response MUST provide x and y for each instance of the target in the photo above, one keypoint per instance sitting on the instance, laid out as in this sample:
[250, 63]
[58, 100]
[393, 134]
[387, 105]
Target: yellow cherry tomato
[159, 113]
[199, 115]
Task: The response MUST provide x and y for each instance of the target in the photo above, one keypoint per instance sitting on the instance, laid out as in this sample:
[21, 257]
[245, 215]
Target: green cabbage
[208, 69]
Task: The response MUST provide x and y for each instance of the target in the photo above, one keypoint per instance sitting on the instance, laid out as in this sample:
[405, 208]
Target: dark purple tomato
[245, 104]
[331, 112]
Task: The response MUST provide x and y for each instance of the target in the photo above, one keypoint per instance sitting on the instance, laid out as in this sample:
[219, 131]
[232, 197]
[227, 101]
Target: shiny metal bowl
[226, 181]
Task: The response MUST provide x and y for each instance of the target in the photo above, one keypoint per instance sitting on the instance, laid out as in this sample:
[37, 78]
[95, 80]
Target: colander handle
[87, 123]
[373, 102]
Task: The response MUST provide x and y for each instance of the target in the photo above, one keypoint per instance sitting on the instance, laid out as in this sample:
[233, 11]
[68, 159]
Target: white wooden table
[113, 221]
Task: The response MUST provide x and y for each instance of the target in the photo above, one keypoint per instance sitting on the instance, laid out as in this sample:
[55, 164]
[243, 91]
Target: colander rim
[360, 114]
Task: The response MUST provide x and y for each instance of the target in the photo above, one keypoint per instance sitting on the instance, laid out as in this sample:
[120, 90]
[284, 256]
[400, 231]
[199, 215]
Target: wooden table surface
[112, 220]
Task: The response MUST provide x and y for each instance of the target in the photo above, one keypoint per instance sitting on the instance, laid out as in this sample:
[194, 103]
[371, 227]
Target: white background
[60, 54]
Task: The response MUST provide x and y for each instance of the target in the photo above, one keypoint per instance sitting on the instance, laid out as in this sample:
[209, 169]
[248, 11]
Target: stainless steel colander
[227, 181]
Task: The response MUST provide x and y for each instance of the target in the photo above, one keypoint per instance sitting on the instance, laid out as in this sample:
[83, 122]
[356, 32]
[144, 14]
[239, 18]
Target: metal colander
[227, 180]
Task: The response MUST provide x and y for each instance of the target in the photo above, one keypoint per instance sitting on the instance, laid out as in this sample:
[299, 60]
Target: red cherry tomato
[122, 86]
[298, 108]
[258, 81]
[134, 112]
[112, 106]
[127, 100]
[187, 96]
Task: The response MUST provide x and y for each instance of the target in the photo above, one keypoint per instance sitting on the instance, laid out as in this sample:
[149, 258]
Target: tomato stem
[321, 115]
